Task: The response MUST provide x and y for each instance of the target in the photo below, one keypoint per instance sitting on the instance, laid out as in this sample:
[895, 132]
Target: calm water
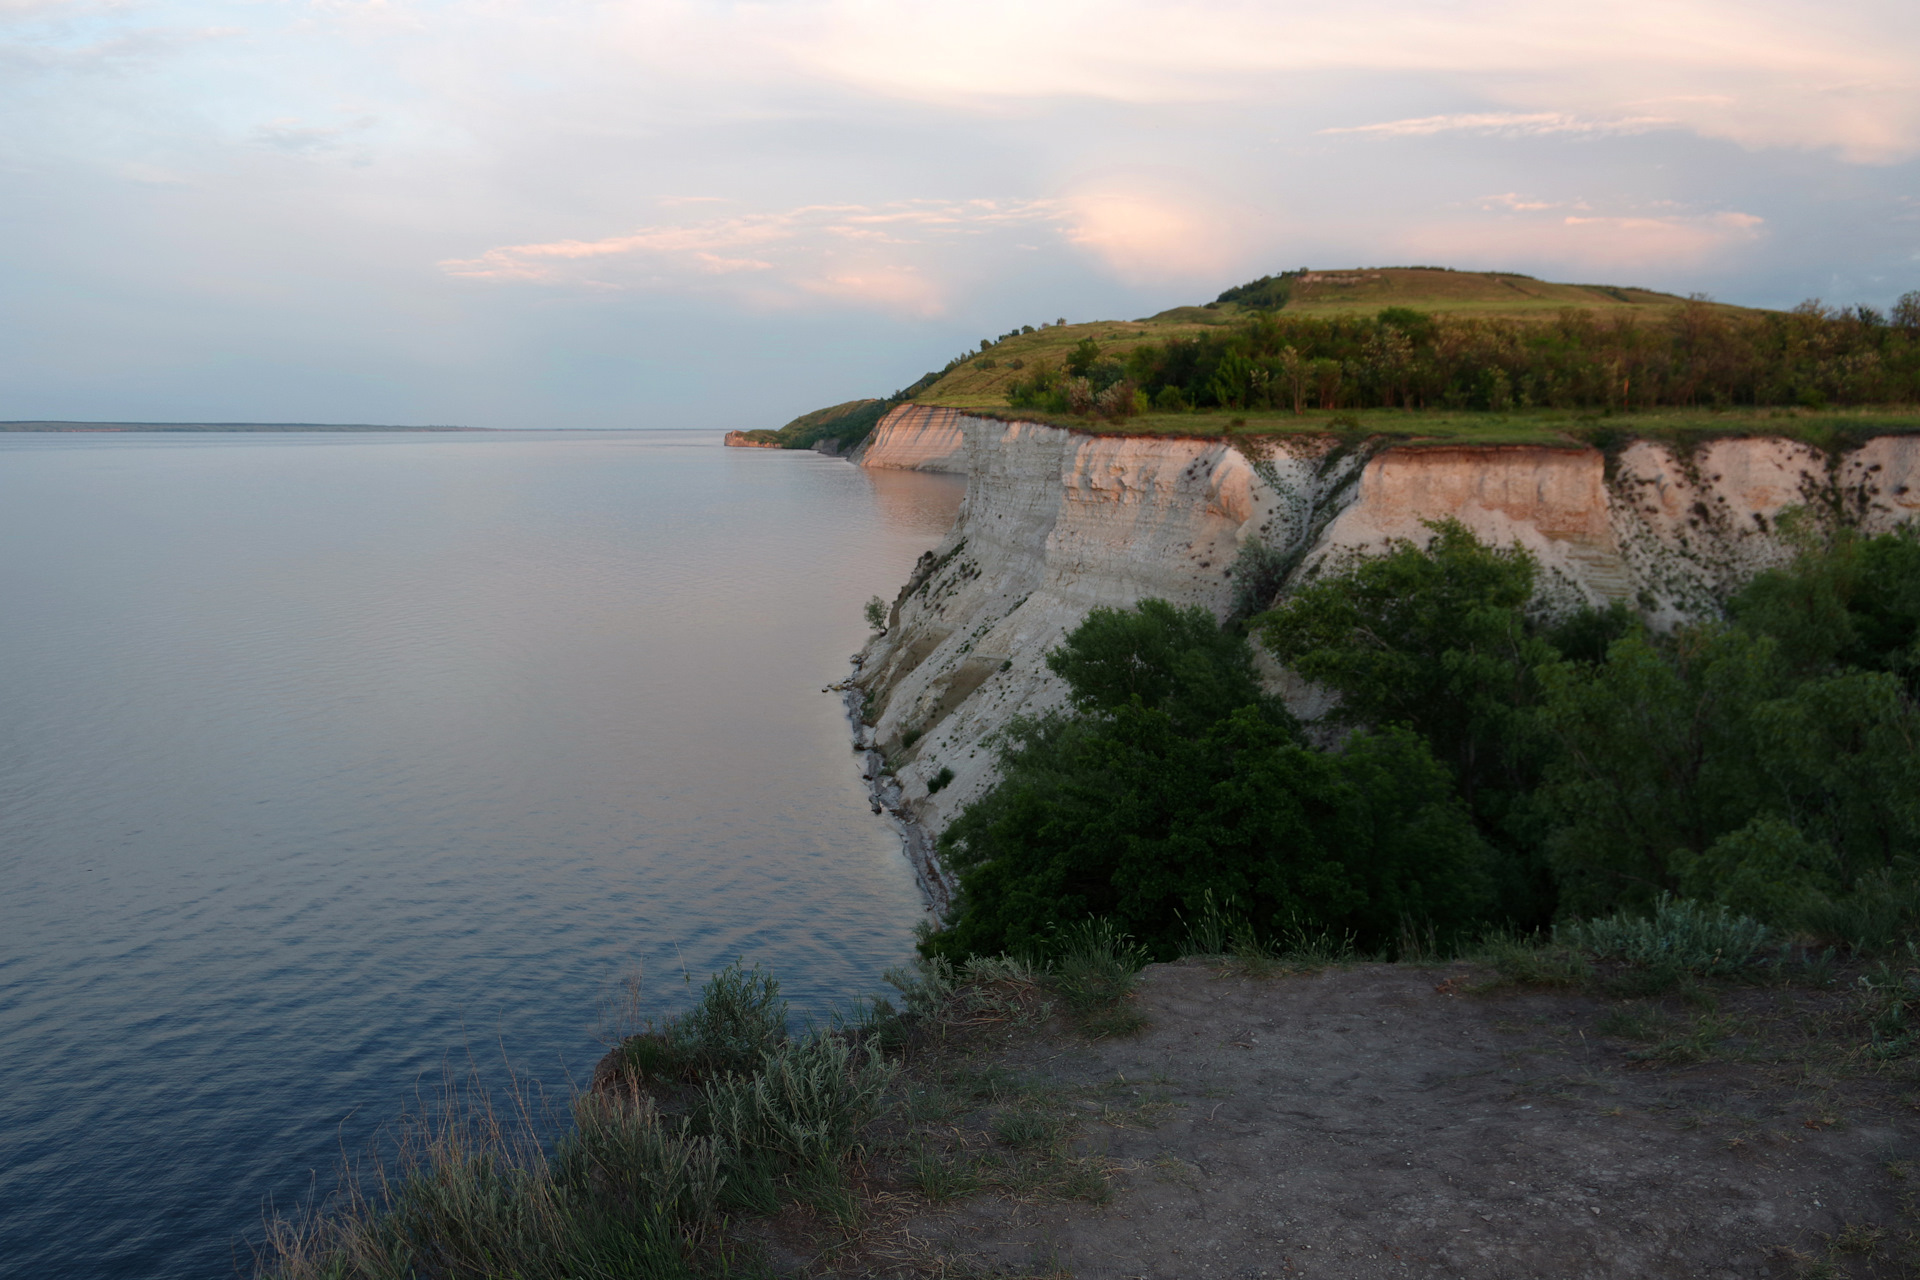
[326, 761]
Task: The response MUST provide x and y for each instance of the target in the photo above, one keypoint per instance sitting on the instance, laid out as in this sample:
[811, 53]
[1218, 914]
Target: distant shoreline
[214, 426]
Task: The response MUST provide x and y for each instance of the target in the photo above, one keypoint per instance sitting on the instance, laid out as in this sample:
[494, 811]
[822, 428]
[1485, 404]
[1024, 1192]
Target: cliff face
[1056, 522]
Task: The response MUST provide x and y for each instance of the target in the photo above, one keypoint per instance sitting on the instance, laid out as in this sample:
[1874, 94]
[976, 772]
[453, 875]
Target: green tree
[1845, 600]
[1080, 360]
[1842, 753]
[1657, 755]
[1121, 815]
[1175, 778]
[1434, 637]
[1168, 659]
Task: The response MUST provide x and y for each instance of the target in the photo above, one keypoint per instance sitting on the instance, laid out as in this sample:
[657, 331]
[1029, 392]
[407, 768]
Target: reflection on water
[328, 760]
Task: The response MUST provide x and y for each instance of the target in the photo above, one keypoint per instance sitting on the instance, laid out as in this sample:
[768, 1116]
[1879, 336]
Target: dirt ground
[1382, 1120]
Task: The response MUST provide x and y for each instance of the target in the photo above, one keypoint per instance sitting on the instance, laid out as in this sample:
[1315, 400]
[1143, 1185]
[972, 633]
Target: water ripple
[327, 762]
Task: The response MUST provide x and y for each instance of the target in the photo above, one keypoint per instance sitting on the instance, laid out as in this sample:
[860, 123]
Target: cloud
[893, 256]
[1507, 124]
[875, 256]
[896, 289]
[1533, 231]
[1514, 202]
[301, 138]
[1144, 237]
[1791, 73]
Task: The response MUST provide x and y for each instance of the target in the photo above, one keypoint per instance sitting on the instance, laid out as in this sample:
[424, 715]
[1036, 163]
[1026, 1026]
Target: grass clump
[1029, 1129]
[1890, 998]
[1087, 970]
[1524, 962]
[471, 1193]
[1095, 966]
[940, 1179]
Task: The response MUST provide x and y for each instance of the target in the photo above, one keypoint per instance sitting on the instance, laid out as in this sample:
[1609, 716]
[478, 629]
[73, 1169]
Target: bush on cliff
[1175, 660]
[1176, 785]
[1771, 766]
[1699, 764]
[1438, 638]
[1844, 601]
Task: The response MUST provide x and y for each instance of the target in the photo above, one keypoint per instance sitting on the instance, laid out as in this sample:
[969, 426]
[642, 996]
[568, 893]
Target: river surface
[329, 763]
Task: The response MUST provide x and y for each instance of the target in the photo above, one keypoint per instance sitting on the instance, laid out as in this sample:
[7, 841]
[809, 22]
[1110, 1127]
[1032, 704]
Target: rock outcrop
[1056, 522]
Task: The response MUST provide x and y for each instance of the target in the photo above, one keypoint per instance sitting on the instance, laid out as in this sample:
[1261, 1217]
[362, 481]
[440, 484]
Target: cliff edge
[1056, 522]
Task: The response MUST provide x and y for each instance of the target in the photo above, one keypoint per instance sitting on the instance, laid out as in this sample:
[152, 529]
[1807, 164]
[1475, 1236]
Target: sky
[650, 213]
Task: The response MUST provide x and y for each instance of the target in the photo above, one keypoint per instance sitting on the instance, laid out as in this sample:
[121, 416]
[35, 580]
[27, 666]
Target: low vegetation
[719, 1144]
[702, 1127]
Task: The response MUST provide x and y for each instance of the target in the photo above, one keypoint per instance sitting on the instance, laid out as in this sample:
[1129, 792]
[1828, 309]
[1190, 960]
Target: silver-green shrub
[1680, 934]
[804, 1105]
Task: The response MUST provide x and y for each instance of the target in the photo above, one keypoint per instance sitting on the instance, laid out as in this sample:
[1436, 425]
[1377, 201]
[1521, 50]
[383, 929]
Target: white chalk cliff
[1056, 522]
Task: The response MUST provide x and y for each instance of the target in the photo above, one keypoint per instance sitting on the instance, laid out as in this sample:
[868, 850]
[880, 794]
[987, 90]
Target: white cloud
[1538, 231]
[1147, 236]
[1794, 73]
[1507, 124]
[301, 137]
[886, 257]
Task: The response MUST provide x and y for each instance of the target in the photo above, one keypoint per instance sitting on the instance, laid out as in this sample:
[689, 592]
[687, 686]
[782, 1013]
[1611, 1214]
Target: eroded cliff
[1056, 522]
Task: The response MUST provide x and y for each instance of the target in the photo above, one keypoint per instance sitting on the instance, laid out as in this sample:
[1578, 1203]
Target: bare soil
[1386, 1120]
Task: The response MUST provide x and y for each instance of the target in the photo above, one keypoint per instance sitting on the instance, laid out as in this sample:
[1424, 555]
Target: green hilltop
[1433, 353]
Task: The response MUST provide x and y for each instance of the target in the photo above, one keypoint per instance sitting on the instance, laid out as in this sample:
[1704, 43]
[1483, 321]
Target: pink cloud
[1793, 73]
[1597, 241]
[881, 256]
[1509, 124]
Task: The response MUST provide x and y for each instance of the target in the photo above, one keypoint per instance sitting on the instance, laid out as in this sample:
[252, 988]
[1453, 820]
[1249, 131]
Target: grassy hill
[1480, 293]
[1433, 353]
[982, 381]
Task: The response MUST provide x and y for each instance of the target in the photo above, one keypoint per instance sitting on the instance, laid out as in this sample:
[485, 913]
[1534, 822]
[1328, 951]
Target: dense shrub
[1434, 637]
[1770, 766]
[739, 1018]
[1655, 754]
[1438, 638]
[630, 1189]
[1700, 764]
[797, 1111]
[1494, 766]
[1161, 795]
[1175, 660]
[1846, 600]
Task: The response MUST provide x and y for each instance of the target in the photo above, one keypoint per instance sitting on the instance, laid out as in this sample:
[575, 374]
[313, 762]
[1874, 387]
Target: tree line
[1698, 355]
